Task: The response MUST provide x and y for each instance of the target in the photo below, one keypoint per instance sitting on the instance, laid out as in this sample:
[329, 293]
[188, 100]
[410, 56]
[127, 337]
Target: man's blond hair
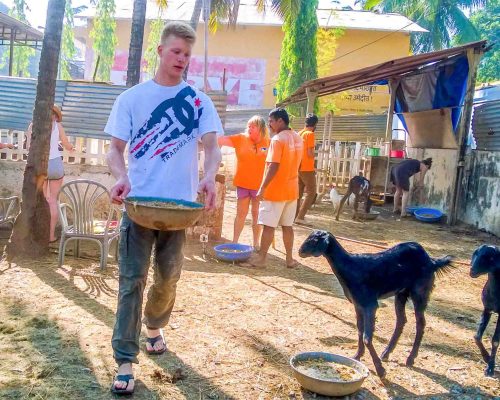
[178, 29]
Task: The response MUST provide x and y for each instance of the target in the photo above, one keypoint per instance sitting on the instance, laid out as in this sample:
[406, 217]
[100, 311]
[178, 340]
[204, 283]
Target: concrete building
[250, 52]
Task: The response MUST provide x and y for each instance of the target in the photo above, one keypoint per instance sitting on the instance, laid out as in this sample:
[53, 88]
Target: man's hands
[120, 190]
[207, 188]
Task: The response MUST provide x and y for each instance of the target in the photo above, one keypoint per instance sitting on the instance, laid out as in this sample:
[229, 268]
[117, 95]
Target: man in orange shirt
[279, 190]
[307, 176]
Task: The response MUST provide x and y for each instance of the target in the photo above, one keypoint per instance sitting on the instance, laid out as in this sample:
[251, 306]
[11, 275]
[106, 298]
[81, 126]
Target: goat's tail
[443, 265]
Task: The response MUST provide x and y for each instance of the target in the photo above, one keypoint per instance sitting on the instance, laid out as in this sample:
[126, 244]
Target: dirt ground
[234, 329]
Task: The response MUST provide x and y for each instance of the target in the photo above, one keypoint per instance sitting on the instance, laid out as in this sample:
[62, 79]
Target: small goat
[405, 270]
[486, 260]
[336, 197]
[360, 187]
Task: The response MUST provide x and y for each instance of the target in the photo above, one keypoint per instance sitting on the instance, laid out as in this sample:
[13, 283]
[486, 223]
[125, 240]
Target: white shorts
[274, 213]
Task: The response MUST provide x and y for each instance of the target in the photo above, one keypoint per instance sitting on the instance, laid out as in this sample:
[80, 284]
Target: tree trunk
[136, 39]
[195, 18]
[30, 236]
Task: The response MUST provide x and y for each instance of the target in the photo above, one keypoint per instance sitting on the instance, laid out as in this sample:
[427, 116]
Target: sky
[38, 12]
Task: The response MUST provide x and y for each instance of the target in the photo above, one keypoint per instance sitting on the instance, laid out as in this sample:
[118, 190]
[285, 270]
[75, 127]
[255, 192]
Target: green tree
[156, 27]
[136, 39]
[104, 37]
[445, 20]
[487, 22]
[22, 54]
[68, 50]
[298, 60]
[327, 43]
[30, 236]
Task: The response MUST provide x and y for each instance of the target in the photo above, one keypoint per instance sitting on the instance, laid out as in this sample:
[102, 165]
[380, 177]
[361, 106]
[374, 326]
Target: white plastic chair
[82, 196]
[9, 209]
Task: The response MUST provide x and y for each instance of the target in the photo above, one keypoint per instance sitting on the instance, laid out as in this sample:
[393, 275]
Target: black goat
[486, 260]
[406, 270]
[360, 187]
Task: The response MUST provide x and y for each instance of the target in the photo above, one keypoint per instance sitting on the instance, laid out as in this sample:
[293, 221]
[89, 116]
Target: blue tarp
[450, 90]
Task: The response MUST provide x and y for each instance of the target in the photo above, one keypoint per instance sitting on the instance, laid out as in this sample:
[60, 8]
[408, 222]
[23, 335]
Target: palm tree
[30, 236]
[444, 19]
[228, 10]
[136, 39]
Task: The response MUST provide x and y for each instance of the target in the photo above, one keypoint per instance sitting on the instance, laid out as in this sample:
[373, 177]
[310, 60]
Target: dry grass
[233, 329]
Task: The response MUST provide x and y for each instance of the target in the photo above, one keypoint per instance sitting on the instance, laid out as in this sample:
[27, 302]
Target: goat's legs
[420, 318]
[490, 370]
[361, 327]
[399, 303]
[369, 325]
[483, 323]
[356, 205]
[344, 199]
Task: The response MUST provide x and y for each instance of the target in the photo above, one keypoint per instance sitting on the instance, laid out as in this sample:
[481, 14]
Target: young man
[400, 177]
[162, 120]
[307, 176]
[279, 190]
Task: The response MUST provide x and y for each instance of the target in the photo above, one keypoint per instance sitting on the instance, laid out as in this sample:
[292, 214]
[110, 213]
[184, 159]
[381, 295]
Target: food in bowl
[233, 251]
[320, 368]
[162, 204]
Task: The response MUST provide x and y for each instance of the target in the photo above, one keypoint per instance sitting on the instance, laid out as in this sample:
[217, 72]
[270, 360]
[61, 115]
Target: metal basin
[163, 214]
[324, 386]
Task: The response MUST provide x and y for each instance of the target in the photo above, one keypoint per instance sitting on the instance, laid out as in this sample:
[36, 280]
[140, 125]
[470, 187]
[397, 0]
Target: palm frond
[162, 4]
[283, 8]
[461, 27]
[370, 4]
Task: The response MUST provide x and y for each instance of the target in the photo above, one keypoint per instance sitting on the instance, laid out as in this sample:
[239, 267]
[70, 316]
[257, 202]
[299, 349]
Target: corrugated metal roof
[349, 128]
[23, 33]
[386, 70]
[486, 125]
[248, 14]
[85, 106]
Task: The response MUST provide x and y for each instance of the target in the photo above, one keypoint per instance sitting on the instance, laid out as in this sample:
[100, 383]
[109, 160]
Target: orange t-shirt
[251, 161]
[308, 139]
[286, 150]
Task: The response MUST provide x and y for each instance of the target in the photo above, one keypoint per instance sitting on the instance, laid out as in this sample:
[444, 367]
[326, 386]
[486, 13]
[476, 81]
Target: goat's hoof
[384, 357]
[357, 356]
[489, 371]
[410, 362]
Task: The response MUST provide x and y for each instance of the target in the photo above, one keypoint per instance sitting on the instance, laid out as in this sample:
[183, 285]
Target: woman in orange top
[251, 151]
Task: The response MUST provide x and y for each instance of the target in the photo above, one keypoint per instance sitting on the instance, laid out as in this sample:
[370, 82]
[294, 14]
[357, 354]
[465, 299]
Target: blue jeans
[135, 247]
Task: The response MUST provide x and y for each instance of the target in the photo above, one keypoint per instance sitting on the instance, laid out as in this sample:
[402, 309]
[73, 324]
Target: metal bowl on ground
[377, 200]
[367, 216]
[328, 387]
[163, 214]
[233, 252]
[428, 215]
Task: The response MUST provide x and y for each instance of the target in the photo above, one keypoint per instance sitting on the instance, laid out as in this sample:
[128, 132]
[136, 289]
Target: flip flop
[152, 342]
[123, 392]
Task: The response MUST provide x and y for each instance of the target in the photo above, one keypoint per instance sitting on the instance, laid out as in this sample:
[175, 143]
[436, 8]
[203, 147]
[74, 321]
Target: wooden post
[473, 57]
[11, 50]
[311, 98]
[393, 84]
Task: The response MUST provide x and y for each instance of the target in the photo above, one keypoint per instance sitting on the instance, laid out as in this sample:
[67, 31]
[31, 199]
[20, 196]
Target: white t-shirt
[162, 125]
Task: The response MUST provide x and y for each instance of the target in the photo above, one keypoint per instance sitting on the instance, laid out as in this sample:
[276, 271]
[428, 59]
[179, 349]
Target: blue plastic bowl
[428, 215]
[233, 252]
[412, 209]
